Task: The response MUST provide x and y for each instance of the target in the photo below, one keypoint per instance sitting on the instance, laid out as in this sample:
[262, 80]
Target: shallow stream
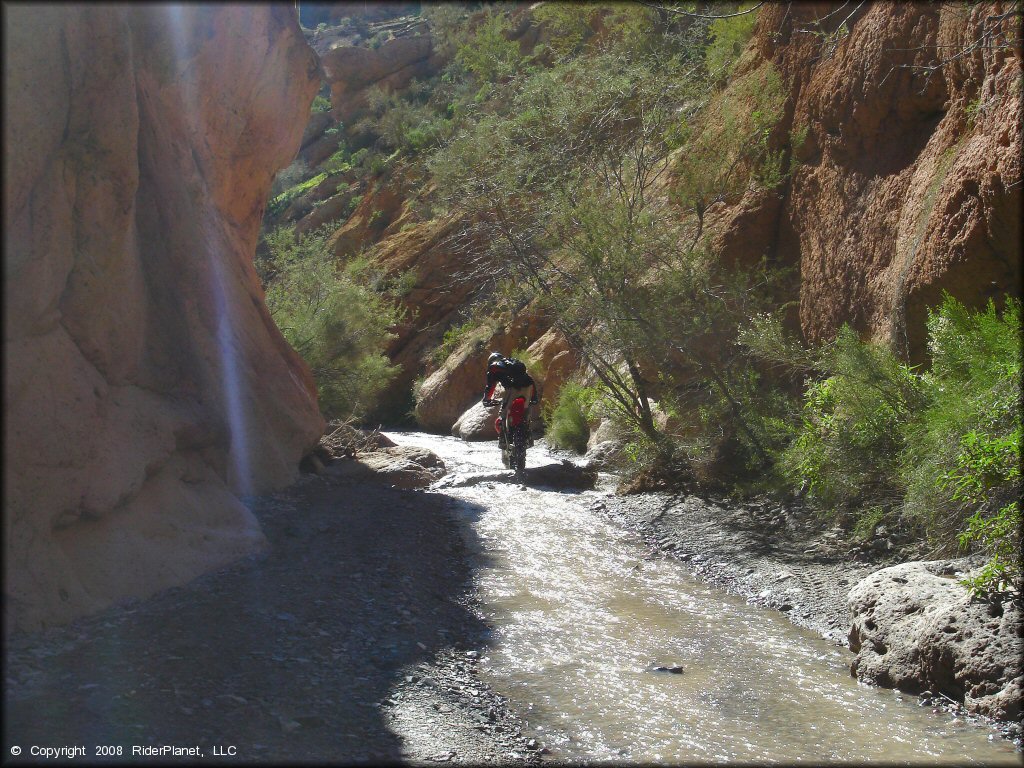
[583, 613]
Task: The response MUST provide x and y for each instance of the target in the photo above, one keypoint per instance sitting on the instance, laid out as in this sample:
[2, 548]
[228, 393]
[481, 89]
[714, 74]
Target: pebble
[675, 669]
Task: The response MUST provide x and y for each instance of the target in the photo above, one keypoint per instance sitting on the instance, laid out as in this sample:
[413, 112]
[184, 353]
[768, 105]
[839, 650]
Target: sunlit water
[580, 617]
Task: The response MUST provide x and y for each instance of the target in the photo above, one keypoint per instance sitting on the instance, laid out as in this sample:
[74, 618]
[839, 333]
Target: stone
[674, 669]
[916, 630]
[477, 423]
[401, 466]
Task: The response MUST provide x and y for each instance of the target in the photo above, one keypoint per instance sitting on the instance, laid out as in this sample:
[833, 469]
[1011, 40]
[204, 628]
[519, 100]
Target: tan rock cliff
[146, 384]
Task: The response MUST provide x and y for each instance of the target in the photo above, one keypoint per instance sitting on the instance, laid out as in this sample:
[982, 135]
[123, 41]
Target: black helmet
[494, 358]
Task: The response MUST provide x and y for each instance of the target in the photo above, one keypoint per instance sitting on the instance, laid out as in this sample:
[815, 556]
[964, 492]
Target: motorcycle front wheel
[518, 452]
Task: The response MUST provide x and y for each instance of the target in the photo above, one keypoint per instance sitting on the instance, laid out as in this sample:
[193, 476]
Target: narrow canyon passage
[582, 614]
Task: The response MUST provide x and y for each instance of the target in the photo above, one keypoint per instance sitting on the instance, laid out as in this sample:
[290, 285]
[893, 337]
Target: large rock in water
[477, 423]
[916, 628]
[146, 385]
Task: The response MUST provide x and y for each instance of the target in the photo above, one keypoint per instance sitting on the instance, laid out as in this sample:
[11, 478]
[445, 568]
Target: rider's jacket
[510, 373]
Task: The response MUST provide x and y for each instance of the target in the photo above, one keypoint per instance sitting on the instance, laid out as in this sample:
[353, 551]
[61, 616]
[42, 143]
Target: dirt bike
[516, 432]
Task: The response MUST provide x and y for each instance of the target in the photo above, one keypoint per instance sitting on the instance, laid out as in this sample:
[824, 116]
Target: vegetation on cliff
[585, 163]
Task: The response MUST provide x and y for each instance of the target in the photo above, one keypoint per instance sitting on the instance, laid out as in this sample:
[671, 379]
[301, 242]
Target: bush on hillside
[338, 325]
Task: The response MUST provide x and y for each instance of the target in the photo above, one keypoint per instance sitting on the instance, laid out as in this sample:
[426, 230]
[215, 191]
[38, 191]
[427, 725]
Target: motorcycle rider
[514, 379]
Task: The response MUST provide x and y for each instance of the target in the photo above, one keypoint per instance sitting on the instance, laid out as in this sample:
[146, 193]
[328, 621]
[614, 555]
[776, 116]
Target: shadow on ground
[286, 656]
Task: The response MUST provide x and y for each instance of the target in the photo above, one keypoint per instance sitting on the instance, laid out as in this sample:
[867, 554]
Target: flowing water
[581, 617]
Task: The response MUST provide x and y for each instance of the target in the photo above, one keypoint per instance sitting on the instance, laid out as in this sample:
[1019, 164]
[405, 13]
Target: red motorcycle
[515, 428]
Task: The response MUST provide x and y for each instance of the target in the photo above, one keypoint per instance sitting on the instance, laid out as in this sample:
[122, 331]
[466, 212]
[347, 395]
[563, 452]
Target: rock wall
[908, 184]
[146, 385]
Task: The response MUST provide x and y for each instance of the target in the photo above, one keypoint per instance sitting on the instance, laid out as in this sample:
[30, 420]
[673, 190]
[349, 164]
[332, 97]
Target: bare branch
[688, 14]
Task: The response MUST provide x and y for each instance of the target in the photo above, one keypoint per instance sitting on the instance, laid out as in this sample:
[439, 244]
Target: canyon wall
[909, 181]
[146, 386]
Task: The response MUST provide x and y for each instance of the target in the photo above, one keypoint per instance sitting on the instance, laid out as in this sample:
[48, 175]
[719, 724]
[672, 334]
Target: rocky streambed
[351, 639]
[472, 617]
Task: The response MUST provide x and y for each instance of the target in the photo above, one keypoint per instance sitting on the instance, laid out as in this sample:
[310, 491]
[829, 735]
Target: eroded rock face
[146, 385]
[916, 628]
[907, 185]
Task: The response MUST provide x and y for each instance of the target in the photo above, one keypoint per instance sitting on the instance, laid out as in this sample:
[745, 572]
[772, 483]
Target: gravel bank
[772, 555]
[351, 639]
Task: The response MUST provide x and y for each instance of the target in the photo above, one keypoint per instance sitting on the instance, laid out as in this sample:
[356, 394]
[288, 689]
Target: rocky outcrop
[554, 362]
[908, 182]
[146, 385]
[353, 70]
[916, 628]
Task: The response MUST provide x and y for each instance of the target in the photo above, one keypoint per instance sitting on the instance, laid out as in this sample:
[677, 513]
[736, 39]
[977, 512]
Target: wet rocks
[916, 628]
[565, 474]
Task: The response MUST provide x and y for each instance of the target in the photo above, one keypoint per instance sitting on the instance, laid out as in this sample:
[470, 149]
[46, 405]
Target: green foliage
[868, 521]
[338, 163]
[726, 149]
[488, 54]
[283, 200]
[849, 444]
[939, 448]
[568, 420]
[453, 338]
[447, 25]
[964, 459]
[568, 24]
[337, 324]
[320, 104]
[729, 37]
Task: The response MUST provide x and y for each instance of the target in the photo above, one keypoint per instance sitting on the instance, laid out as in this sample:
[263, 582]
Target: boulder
[446, 394]
[555, 361]
[477, 423]
[565, 474]
[916, 628]
[401, 466]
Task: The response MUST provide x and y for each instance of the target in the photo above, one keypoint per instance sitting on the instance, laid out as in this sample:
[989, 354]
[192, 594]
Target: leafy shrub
[568, 420]
[940, 448]
[337, 163]
[962, 466]
[452, 339]
[289, 177]
[852, 433]
[282, 201]
[488, 54]
[339, 326]
[320, 104]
